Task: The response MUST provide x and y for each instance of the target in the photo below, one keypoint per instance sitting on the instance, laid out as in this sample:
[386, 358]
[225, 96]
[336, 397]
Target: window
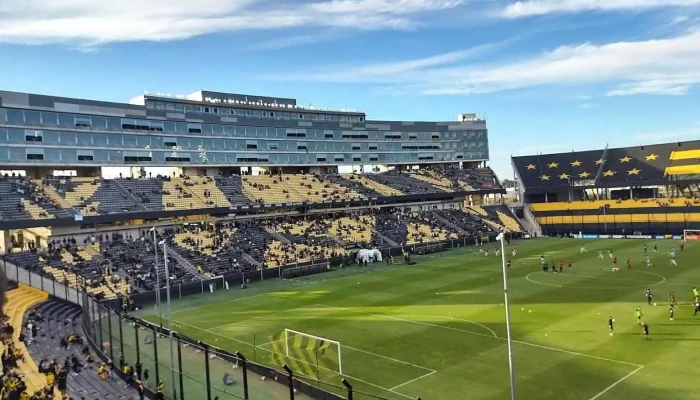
[137, 156]
[86, 155]
[356, 146]
[356, 158]
[302, 146]
[435, 136]
[156, 127]
[194, 128]
[321, 158]
[128, 124]
[65, 172]
[296, 133]
[373, 147]
[251, 144]
[35, 154]
[339, 158]
[178, 158]
[83, 122]
[328, 135]
[392, 136]
[272, 146]
[354, 135]
[169, 142]
[413, 136]
[142, 125]
[33, 136]
[375, 158]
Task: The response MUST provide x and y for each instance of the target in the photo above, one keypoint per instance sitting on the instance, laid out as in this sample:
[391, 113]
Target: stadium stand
[22, 198]
[59, 345]
[14, 350]
[91, 196]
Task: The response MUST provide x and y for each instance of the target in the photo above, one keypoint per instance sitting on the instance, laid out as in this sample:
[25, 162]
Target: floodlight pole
[511, 367]
[170, 318]
[155, 249]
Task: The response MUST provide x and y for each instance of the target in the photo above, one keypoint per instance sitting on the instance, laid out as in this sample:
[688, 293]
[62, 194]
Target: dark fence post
[179, 366]
[291, 381]
[155, 353]
[138, 351]
[111, 344]
[245, 374]
[206, 368]
[121, 335]
[99, 322]
[348, 386]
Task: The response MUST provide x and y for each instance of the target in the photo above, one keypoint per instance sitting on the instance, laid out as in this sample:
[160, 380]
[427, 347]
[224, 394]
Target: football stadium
[228, 246]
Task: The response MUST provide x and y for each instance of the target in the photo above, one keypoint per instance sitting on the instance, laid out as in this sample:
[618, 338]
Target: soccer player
[671, 310]
[672, 257]
[600, 254]
[561, 266]
[486, 252]
[696, 293]
[611, 324]
[649, 296]
[629, 263]
[671, 297]
[645, 249]
[655, 248]
[638, 314]
[508, 264]
[610, 253]
[541, 260]
[645, 331]
[545, 267]
[583, 249]
[681, 244]
[697, 307]
[614, 264]
[513, 252]
[648, 259]
[498, 252]
[569, 263]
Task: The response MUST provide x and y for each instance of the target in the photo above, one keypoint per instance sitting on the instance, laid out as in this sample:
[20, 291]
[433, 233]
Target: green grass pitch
[437, 329]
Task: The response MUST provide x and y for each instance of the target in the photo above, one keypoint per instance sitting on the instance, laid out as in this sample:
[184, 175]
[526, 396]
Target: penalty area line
[411, 381]
[617, 383]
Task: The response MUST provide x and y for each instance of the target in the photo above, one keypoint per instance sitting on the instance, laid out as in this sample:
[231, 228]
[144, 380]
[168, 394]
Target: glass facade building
[219, 129]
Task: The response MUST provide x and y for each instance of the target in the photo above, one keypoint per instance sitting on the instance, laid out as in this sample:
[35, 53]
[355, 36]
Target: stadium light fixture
[501, 237]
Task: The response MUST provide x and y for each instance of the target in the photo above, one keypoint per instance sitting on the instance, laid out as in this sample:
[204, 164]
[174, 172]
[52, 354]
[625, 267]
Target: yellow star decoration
[584, 174]
[564, 176]
[634, 171]
[652, 157]
[553, 165]
[576, 163]
[609, 173]
[530, 166]
[545, 177]
[625, 159]
[599, 161]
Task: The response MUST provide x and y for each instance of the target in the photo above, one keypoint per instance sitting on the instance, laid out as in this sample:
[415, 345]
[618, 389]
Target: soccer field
[437, 329]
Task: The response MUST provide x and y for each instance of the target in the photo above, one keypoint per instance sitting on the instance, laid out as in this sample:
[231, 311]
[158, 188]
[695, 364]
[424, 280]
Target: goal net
[691, 234]
[308, 353]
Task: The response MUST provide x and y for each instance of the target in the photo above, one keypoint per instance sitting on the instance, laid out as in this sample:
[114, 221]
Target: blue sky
[550, 75]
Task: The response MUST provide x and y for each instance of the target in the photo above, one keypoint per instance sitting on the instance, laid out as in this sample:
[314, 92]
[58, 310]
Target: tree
[508, 183]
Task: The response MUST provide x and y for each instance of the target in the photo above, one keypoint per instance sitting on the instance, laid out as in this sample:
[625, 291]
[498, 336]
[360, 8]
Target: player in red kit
[561, 266]
[569, 263]
[629, 263]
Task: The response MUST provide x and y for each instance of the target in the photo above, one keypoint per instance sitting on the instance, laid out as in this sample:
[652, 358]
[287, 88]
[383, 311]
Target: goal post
[300, 346]
[691, 234]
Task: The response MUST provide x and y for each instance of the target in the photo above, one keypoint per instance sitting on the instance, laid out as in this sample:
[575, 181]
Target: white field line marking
[454, 319]
[493, 334]
[388, 358]
[646, 284]
[259, 317]
[302, 361]
[616, 383]
[490, 336]
[411, 381]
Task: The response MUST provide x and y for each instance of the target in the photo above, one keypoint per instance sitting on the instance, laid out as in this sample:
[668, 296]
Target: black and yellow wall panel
[619, 218]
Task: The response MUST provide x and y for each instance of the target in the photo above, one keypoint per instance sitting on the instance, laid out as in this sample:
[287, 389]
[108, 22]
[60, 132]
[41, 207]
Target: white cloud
[90, 22]
[589, 105]
[543, 7]
[662, 66]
